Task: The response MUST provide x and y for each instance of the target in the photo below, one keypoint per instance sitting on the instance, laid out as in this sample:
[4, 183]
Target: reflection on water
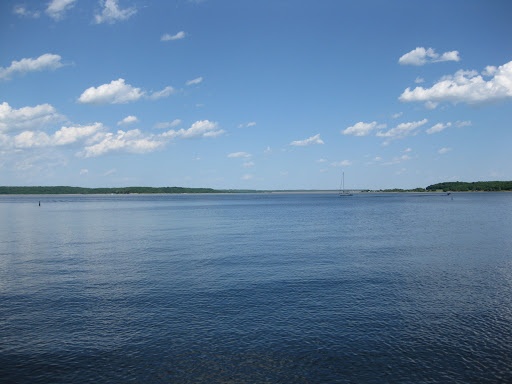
[256, 288]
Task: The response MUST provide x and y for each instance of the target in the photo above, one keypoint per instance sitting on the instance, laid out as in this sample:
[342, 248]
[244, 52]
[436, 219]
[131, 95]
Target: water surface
[251, 288]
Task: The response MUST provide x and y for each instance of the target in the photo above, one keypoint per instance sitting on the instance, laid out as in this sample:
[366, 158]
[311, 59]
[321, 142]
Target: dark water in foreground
[291, 288]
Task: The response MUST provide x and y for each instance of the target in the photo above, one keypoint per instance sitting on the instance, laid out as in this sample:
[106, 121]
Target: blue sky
[267, 94]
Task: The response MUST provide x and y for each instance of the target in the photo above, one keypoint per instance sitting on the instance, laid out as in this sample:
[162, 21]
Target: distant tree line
[64, 190]
[460, 186]
[400, 190]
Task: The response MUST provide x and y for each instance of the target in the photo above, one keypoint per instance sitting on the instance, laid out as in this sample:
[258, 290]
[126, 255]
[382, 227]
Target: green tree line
[60, 190]
[461, 186]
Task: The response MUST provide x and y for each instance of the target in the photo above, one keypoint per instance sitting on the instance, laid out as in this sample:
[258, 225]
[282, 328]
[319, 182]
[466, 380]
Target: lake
[255, 288]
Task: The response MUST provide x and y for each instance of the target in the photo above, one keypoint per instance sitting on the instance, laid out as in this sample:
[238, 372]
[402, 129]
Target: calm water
[278, 288]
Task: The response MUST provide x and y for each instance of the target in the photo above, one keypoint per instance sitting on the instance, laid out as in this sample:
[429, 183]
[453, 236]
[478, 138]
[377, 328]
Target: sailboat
[342, 192]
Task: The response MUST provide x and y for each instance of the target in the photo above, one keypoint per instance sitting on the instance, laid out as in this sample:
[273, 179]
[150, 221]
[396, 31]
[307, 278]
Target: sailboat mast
[342, 186]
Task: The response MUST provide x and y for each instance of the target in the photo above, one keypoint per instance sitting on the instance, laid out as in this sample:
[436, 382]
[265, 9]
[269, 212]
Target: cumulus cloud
[444, 150]
[402, 130]
[493, 84]
[57, 8]
[116, 92]
[397, 160]
[362, 129]
[238, 155]
[161, 94]
[168, 124]
[436, 128]
[460, 124]
[22, 11]
[133, 141]
[247, 125]
[309, 141]
[31, 139]
[45, 62]
[64, 136]
[343, 163]
[128, 120]
[195, 81]
[27, 117]
[178, 36]
[111, 12]
[442, 126]
[69, 135]
[202, 128]
[422, 56]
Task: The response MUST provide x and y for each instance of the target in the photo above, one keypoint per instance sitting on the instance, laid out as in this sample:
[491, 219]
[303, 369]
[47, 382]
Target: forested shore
[65, 190]
[461, 186]
[457, 186]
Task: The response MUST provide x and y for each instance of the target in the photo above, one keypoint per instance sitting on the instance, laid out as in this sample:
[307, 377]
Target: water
[277, 288]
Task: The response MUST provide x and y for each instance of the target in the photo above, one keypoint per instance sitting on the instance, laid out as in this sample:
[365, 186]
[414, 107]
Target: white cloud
[195, 81]
[397, 115]
[449, 56]
[130, 141]
[128, 120]
[57, 8]
[117, 92]
[247, 125]
[248, 164]
[438, 127]
[309, 141]
[431, 105]
[27, 117]
[202, 128]
[31, 139]
[362, 129]
[178, 36]
[38, 139]
[397, 160]
[422, 56]
[402, 130]
[444, 150]
[460, 124]
[22, 11]
[343, 163]
[84, 171]
[168, 124]
[161, 94]
[238, 155]
[419, 80]
[467, 87]
[247, 176]
[112, 13]
[48, 61]
[69, 135]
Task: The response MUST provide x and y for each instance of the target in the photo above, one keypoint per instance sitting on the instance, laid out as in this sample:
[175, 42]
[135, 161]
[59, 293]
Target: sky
[266, 94]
